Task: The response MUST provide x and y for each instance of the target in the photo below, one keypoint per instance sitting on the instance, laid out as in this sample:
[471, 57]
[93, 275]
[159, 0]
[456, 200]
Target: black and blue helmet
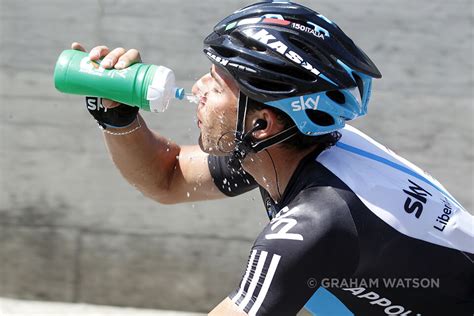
[292, 58]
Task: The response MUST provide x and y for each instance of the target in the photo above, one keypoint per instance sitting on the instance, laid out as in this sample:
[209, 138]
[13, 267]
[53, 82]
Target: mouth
[198, 121]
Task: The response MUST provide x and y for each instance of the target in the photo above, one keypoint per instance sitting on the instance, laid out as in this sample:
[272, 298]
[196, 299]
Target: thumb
[109, 104]
[78, 46]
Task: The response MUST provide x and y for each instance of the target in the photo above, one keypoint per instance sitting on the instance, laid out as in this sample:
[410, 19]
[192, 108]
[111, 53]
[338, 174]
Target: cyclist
[354, 228]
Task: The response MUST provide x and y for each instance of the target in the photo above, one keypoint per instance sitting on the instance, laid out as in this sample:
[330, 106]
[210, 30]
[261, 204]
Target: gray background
[71, 229]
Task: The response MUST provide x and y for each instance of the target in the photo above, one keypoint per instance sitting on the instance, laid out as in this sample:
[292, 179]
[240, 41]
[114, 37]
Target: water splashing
[192, 98]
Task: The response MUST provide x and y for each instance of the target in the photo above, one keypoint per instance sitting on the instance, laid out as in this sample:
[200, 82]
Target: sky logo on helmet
[305, 104]
[264, 37]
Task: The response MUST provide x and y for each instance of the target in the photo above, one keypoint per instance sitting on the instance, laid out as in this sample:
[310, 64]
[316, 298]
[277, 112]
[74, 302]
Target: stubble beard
[211, 148]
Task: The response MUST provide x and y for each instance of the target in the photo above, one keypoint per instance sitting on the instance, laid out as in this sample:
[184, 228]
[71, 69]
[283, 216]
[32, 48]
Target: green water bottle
[148, 87]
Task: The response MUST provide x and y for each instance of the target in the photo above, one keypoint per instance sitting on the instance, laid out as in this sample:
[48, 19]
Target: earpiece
[259, 124]
[244, 144]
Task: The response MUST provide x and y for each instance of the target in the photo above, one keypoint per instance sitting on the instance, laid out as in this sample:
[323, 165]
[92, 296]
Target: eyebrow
[216, 78]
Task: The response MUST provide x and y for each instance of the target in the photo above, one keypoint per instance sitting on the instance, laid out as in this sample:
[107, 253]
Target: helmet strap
[243, 140]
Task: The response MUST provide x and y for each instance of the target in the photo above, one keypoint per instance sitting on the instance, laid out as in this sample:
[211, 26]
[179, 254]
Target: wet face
[217, 110]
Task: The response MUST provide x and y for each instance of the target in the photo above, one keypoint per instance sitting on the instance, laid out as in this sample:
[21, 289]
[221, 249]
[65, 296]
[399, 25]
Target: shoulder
[304, 243]
[316, 224]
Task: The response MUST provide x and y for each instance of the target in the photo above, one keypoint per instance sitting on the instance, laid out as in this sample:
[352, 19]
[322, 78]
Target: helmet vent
[312, 51]
[269, 86]
[336, 96]
[224, 51]
[291, 71]
[320, 118]
[360, 84]
[251, 45]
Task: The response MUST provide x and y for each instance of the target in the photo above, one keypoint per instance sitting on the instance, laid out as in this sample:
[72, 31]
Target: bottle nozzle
[179, 93]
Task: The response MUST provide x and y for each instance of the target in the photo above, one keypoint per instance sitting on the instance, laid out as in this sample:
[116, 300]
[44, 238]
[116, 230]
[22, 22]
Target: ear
[273, 124]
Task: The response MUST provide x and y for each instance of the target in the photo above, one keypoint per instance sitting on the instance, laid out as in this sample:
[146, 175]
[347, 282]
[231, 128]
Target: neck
[274, 176]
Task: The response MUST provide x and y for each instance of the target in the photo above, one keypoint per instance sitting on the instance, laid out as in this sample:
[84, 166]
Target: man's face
[217, 110]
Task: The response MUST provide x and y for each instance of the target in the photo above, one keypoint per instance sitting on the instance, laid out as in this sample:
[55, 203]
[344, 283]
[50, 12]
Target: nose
[201, 87]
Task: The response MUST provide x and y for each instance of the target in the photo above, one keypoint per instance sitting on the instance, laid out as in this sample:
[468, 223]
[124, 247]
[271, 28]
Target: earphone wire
[276, 174]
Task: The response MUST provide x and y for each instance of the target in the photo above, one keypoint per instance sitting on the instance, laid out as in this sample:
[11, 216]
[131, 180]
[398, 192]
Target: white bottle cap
[161, 90]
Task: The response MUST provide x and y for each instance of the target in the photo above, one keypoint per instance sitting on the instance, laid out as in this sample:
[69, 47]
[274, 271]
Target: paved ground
[11, 307]
[72, 230]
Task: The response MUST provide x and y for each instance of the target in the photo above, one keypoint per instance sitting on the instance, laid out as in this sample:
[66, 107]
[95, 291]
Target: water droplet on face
[195, 188]
[168, 149]
[188, 194]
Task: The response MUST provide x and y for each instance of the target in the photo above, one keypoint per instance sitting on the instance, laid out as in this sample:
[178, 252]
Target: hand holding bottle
[116, 75]
[118, 58]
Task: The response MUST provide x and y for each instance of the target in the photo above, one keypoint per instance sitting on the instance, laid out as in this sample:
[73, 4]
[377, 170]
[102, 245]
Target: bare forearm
[144, 158]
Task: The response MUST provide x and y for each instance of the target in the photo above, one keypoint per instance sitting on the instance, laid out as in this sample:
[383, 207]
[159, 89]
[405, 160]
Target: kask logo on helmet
[225, 62]
[264, 37]
[218, 59]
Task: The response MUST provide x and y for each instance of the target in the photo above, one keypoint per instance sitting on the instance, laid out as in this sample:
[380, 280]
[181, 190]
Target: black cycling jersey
[358, 231]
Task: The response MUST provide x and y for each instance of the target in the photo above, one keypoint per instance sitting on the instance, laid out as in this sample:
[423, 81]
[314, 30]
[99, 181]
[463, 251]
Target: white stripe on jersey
[266, 285]
[246, 276]
[255, 278]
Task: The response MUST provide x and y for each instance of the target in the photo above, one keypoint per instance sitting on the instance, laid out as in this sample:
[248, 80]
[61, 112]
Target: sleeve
[309, 240]
[229, 182]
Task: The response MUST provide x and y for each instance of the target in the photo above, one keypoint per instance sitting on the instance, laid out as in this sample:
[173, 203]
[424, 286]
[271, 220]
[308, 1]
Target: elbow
[162, 198]
[165, 197]
[166, 201]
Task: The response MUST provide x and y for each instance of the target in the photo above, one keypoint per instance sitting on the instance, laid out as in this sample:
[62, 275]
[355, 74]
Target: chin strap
[243, 140]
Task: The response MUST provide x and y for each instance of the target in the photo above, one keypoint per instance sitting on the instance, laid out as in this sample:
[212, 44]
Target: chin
[209, 148]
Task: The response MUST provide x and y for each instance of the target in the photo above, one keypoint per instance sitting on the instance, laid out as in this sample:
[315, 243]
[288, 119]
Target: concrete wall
[72, 229]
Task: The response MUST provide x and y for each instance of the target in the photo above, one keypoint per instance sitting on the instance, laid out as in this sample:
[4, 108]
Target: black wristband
[120, 116]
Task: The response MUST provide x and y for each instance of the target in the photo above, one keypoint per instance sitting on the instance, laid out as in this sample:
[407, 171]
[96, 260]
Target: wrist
[118, 117]
[123, 130]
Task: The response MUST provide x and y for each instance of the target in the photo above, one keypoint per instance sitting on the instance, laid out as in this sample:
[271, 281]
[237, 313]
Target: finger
[78, 46]
[131, 57]
[98, 52]
[111, 59]
[109, 104]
